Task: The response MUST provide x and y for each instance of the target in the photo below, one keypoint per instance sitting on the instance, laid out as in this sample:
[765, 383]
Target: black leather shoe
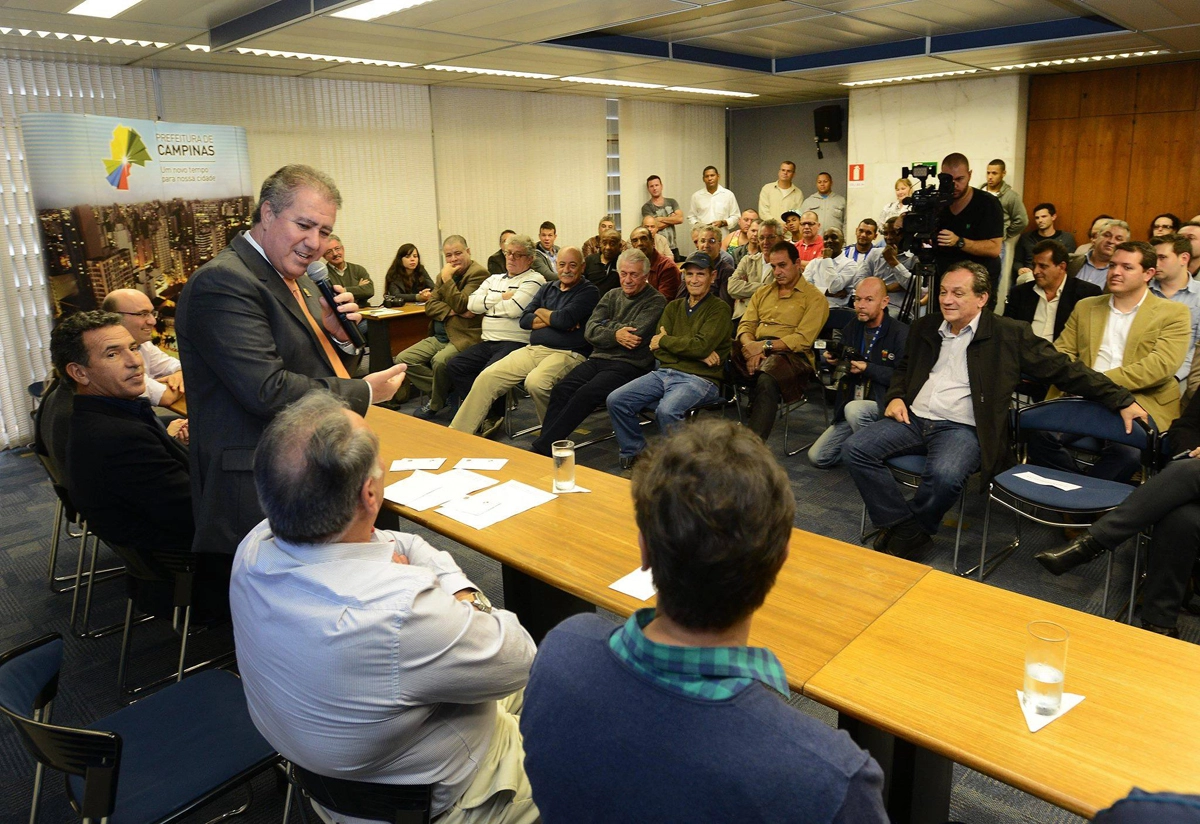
[1170, 632]
[903, 543]
[1083, 549]
[881, 539]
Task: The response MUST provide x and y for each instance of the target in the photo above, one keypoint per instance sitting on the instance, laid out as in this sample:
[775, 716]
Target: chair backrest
[1075, 416]
[28, 681]
[398, 803]
[52, 424]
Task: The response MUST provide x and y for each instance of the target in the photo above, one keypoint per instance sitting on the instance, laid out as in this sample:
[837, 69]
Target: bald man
[164, 375]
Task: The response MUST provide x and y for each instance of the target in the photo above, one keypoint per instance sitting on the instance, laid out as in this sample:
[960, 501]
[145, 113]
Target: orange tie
[334, 360]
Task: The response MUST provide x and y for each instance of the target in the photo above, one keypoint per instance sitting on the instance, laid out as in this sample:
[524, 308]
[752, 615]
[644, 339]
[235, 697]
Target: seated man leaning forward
[872, 345]
[690, 348]
[949, 401]
[672, 716]
[367, 654]
[773, 355]
[453, 327]
[619, 331]
[555, 318]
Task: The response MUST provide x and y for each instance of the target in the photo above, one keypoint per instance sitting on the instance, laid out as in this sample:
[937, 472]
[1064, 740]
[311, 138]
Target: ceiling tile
[187, 13]
[558, 60]
[1147, 14]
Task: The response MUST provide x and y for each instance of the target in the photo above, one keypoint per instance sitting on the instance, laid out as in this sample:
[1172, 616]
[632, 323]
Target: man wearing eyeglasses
[164, 375]
[810, 244]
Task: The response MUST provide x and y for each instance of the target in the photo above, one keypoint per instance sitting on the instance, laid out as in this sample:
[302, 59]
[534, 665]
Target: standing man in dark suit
[254, 336]
[1047, 301]
[130, 478]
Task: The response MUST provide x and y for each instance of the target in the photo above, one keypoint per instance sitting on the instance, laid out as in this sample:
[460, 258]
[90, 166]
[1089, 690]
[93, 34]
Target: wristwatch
[960, 243]
[480, 602]
[767, 348]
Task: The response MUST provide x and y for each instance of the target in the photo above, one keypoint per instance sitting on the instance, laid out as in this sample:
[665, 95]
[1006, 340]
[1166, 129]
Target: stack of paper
[424, 490]
[500, 502]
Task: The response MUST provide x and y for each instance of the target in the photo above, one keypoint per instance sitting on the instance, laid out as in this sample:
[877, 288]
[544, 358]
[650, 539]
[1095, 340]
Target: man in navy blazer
[1048, 300]
[254, 336]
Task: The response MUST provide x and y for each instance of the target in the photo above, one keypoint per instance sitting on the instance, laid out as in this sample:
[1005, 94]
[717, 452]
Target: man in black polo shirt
[972, 228]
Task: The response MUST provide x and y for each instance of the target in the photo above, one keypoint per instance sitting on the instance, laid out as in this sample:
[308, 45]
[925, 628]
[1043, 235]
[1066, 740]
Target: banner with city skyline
[128, 203]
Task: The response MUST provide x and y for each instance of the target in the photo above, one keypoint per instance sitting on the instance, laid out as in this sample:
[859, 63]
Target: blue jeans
[826, 451]
[668, 392]
[951, 453]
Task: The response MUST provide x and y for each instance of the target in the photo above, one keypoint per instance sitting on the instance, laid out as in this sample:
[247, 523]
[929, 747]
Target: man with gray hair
[619, 331]
[254, 336]
[1093, 267]
[367, 654]
[353, 278]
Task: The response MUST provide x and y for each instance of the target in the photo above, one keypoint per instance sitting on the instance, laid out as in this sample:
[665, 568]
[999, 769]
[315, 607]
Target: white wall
[892, 127]
[510, 160]
[672, 141]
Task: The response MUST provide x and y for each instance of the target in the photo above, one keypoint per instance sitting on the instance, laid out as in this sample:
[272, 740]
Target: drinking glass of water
[1045, 664]
[563, 453]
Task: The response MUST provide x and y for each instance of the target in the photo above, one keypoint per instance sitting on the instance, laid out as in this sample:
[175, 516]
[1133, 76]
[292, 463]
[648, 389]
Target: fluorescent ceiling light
[376, 8]
[600, 81]
[1068, 61]
[717, 92]
[324, 58]
[906, 78]
[494, 72]
[196, 47]
[94, 38]
[103, 8]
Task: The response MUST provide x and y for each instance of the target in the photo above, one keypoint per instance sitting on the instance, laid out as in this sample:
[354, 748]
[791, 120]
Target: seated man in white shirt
[367, 654]
[822, 272]
[164, 378]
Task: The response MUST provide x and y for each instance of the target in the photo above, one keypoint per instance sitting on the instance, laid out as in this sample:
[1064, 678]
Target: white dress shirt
[823, 272]
[158, 365]
[946, 395]
[1045, 313]
[1111, 353]
[709, 208]
[358, 667]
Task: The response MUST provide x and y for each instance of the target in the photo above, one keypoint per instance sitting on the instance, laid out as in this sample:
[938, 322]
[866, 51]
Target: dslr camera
[832, 374]
[392, 302]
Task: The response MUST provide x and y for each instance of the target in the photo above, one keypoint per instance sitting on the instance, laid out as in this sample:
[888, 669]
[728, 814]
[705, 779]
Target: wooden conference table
[927, 657]
[391, 331]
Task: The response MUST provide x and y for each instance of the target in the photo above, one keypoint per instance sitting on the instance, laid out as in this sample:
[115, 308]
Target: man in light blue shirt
[1173, 281]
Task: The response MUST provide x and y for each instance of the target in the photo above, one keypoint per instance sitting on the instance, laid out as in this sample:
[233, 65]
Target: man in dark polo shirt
[972, 228]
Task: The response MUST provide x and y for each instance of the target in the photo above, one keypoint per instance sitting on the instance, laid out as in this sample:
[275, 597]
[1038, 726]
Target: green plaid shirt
[708, 673]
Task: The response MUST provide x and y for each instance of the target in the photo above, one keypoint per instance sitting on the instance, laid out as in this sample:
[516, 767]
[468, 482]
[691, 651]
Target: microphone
[319, 273]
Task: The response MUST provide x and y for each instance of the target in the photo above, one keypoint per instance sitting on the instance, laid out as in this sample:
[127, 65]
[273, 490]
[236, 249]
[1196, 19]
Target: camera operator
[972, 227]
[872, 345]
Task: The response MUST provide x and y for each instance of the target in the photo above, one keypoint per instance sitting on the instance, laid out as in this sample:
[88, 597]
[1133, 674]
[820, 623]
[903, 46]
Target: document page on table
[424, 490]
[494, 505]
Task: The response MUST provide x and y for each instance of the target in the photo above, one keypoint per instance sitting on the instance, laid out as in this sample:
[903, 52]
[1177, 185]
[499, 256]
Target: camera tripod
[925, 275]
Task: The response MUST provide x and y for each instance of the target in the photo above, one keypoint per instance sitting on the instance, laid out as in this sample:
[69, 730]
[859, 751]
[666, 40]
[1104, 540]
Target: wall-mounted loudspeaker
[828, 123]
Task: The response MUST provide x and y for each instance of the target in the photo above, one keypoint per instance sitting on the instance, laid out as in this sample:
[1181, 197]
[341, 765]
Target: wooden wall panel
[1113, 91]
[1054, 96]
[1159, 170]
[1168, 87]
[1119, 141]
[1102, 154]
[1050, 168]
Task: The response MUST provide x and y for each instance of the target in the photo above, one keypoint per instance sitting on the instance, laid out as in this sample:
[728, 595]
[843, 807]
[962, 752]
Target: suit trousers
[427, 360]
[579, 394]
[1170, 502]
[540, 367]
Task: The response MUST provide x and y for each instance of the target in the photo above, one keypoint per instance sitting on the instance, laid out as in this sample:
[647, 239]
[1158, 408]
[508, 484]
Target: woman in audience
[896, 207]
[1164, 224]
[1084, 248]
[406, 278]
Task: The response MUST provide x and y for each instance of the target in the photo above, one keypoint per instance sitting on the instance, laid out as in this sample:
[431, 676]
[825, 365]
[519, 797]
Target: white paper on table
[405, 464]
[1035, 721]
[481, 463]
[496, 504]
[638, 584]
[576, 488]
[1034, 478]
[385, 313]
[424, 490]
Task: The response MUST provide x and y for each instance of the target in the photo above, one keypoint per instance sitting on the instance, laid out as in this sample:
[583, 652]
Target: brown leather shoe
[1081, 550]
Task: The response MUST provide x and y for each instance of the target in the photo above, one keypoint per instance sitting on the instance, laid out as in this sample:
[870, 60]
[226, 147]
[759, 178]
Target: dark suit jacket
[129, 477]
[1022, 301]
[1000, 351]
[247, 351]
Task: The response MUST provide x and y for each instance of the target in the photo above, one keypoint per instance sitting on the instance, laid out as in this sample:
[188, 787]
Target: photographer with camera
[862, 364]
[971, 227]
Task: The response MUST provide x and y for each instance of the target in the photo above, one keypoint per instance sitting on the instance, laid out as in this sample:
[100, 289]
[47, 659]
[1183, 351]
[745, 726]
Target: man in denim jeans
[691, 347]
[949, 401]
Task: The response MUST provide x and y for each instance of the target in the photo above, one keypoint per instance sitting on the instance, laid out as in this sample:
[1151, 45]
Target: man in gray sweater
[619, 331]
